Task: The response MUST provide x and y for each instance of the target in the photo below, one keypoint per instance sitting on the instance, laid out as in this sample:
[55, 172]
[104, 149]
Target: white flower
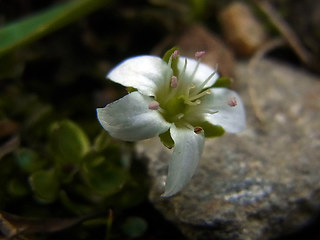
[175, 99]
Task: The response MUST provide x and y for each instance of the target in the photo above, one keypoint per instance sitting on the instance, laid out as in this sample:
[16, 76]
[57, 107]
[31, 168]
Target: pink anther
[232, 102]
[198, 55]
[175, 54]
[153, 105]
[174, 82]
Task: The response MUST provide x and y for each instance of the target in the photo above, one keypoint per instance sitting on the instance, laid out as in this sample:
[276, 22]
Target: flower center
[179, 99]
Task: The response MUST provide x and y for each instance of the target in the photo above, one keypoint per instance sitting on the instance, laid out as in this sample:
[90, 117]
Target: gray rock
[261, 183]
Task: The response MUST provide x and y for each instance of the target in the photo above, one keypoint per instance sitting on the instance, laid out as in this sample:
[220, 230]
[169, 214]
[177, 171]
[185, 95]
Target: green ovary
[174, 109]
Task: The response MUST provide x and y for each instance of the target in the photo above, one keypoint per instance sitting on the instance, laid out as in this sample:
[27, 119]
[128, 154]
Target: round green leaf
[17, 188]
[68, 142]
[134, 227]
[45, 185]
[28, 160]
[102, 176]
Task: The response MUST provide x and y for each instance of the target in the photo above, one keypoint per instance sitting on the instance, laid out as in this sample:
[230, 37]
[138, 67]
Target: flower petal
[186, 154]
[231, 118]
[201, 74]
[130, 119]
[145, 73]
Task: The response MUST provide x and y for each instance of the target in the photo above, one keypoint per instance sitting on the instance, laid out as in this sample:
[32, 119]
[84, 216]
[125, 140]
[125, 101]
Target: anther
[174, 81]
[199, 55]
[175, 54]
[232, 102]
[184, 68]
[153, 105]
[198, 130]
[207, 80]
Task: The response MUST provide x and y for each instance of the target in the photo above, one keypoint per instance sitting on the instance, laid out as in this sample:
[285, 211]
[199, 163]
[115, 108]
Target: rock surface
[261, 183]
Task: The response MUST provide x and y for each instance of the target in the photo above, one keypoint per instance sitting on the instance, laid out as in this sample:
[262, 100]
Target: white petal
[201, 74]
[186, 155]
[231, 118]
[130, 119]
[145, 73]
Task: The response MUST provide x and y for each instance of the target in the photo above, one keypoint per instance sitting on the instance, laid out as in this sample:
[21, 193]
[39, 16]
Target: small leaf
[222, 82]
[211, 130]
[107, 182]
[68, 142]
[74, 207]
[134, 227]
[17, 188]
[28, 160]
[102, 141]
[166, 139]
[103, 177]
[45, 185]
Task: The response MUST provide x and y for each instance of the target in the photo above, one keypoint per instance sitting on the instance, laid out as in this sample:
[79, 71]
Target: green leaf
[211, 130]
[75, 207]
[222, 82]
[102, 176]
[68, 142]
[166, 139]
[102, 141]
[134, 227]
[45, 185]
[32, 28]
[17, 188]
[28, 160]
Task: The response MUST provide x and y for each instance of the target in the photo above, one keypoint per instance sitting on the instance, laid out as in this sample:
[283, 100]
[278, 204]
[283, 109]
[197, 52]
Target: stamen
[188, 125]
[184, 68]
[232, 102]
[197, 102]
[207, 80]
[212, 112]
[201, 94]
[175, 54]
[154, 105]
[188, 88]
[180, 116]
[195, 70]
[174, 82]
[198, 130]
[199, 55]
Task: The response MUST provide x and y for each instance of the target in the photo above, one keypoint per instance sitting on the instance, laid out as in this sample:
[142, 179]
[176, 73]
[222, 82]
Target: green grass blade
[34, 27]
